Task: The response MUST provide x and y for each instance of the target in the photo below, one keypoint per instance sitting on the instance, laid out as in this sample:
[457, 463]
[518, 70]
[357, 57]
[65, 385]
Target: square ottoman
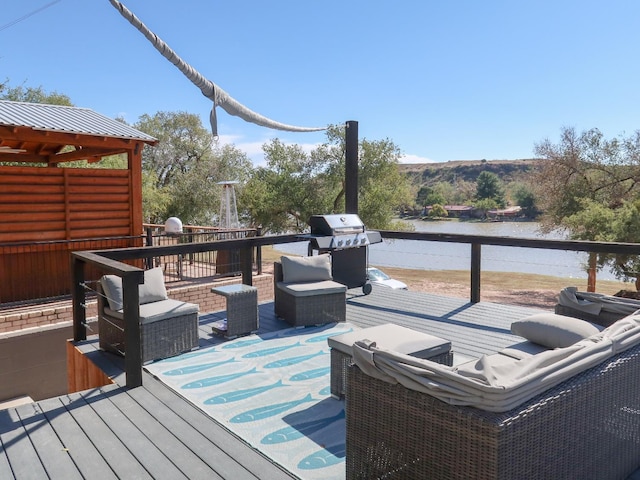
[388, 336]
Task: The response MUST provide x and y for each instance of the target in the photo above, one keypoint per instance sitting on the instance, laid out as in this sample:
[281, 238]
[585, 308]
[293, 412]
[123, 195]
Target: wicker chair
[308, 303]
[167, 327]
[587, 427]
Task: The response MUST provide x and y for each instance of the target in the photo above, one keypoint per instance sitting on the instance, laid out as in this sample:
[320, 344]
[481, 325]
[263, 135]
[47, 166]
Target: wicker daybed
[304, 292]
[594, 307]
[584, 427]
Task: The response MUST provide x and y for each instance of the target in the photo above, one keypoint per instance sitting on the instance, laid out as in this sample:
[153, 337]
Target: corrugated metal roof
[60, 118]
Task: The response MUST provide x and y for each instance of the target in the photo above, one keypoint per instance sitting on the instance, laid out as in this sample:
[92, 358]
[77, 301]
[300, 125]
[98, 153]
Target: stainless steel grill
[338, 231]
[345, 238]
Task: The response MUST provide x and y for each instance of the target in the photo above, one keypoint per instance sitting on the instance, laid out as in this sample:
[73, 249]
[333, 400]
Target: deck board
[84, 453]
[152, 432]
[46, 443]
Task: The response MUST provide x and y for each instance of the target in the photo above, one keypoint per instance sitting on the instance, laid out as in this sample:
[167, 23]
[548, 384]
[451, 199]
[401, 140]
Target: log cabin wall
[40, 204]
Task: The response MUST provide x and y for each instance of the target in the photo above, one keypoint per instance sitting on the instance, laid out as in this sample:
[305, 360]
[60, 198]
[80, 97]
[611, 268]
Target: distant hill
[468, 170]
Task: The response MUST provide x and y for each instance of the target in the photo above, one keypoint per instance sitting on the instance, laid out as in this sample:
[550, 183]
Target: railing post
[259, 251]
[149, 241]
[475, 271]
[131, 309]
[245, 266]
[78, 300]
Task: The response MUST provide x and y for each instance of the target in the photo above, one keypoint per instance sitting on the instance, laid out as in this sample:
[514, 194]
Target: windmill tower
[228, 218]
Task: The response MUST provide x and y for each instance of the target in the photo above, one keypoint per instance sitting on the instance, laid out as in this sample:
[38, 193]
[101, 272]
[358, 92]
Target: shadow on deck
[151, 432]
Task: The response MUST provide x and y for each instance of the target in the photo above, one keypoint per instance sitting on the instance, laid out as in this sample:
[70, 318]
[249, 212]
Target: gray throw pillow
[152, 290]
[316, 268]
[112, 287]
[553, 331]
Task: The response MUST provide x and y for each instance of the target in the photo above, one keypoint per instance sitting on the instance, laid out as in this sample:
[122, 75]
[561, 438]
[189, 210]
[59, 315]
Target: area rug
[272, 391]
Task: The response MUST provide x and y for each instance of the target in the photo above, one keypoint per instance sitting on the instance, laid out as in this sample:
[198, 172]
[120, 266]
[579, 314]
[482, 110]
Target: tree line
[586, 185]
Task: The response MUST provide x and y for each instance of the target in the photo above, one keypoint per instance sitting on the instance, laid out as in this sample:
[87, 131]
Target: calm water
[452, 256]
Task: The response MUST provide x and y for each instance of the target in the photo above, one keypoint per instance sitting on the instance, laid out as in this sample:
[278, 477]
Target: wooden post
[591, 272]
[475, 272]
[351, 168]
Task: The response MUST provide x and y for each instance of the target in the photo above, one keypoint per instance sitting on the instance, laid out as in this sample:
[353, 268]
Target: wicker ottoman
[242, 310]
[389, 336]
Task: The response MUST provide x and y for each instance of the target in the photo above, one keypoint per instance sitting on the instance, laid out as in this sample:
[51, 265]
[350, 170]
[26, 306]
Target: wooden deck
[150, 432]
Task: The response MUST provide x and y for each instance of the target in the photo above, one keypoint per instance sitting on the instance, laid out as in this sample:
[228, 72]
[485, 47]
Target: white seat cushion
[155, 311]
[308, 289]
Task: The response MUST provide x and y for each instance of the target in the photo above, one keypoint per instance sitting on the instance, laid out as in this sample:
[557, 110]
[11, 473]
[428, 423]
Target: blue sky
[444, 80]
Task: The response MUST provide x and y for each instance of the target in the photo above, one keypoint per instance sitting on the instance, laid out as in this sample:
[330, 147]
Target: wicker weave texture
[242, 311]
[161, 339]
[588, 427]
[340, 361]
[309, 310]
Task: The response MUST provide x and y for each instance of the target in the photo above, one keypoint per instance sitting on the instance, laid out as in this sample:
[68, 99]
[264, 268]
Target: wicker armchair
[308, 303]
[586, 427]
[167, 327]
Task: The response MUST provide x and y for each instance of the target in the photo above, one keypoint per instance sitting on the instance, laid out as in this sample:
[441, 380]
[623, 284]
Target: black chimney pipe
[351, 167]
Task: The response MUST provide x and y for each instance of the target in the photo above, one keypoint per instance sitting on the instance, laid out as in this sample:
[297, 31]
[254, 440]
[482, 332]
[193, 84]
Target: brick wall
[61, 312]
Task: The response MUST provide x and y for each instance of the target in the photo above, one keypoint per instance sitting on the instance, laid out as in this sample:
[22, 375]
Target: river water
[451, 256]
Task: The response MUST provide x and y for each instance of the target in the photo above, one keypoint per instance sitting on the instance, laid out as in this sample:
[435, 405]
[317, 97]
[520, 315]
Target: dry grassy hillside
[468, 170]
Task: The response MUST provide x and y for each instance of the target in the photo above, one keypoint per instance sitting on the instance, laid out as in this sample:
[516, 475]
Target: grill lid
[336, 224]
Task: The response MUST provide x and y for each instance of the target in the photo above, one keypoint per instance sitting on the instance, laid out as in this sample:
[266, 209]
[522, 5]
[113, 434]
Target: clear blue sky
[444, 80]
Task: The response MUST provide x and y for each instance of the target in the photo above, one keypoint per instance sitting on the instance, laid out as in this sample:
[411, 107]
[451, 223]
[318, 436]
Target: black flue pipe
[351, 168]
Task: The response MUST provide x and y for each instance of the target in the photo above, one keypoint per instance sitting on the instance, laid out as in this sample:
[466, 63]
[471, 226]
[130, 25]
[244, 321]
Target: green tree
[586, 166]
[489, 187]
[295, 185]
[524, 196]
[484, 205]
[429, 196]
[181, 173]
[438, 211]
[22, 93]
[590, 186]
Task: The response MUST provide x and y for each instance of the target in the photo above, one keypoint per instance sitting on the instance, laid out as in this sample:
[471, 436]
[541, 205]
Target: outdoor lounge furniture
[390, 336]
[572, 412]
[242, 310]
[594, 307]
[168, 327]
[304, 292]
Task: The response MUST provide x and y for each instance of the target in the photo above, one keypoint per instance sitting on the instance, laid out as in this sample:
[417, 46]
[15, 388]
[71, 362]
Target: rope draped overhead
[207, 87]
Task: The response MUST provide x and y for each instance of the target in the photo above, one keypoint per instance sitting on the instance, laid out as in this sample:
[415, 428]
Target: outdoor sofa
[563, 404]
[594, 307]
[304, 291]
[168, 327]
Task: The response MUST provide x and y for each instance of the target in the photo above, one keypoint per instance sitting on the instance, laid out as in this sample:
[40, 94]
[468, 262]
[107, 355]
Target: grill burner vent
[338, 231]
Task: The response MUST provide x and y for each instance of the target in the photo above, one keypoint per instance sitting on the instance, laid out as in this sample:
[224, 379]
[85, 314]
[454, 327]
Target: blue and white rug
[272, 391]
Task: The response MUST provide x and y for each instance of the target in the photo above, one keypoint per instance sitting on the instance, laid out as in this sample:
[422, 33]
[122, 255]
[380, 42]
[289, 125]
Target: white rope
[207, 87]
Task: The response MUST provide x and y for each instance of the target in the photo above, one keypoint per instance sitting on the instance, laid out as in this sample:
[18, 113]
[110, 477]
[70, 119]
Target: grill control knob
[348, 242]
[363, 240]
[339, 243]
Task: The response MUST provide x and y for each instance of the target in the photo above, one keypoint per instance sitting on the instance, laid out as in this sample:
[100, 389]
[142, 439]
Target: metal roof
[59, 118]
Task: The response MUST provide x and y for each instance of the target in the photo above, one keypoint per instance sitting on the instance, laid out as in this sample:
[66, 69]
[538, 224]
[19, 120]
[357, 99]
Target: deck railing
[34, 272]
[112, 261]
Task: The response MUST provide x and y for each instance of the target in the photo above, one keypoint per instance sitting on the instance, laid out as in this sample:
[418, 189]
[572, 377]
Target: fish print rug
[272, 391]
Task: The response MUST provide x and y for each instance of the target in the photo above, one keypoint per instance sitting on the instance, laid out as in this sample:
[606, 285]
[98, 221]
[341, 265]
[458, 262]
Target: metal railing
[35, 272]
[112, 261]
[196, 266]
